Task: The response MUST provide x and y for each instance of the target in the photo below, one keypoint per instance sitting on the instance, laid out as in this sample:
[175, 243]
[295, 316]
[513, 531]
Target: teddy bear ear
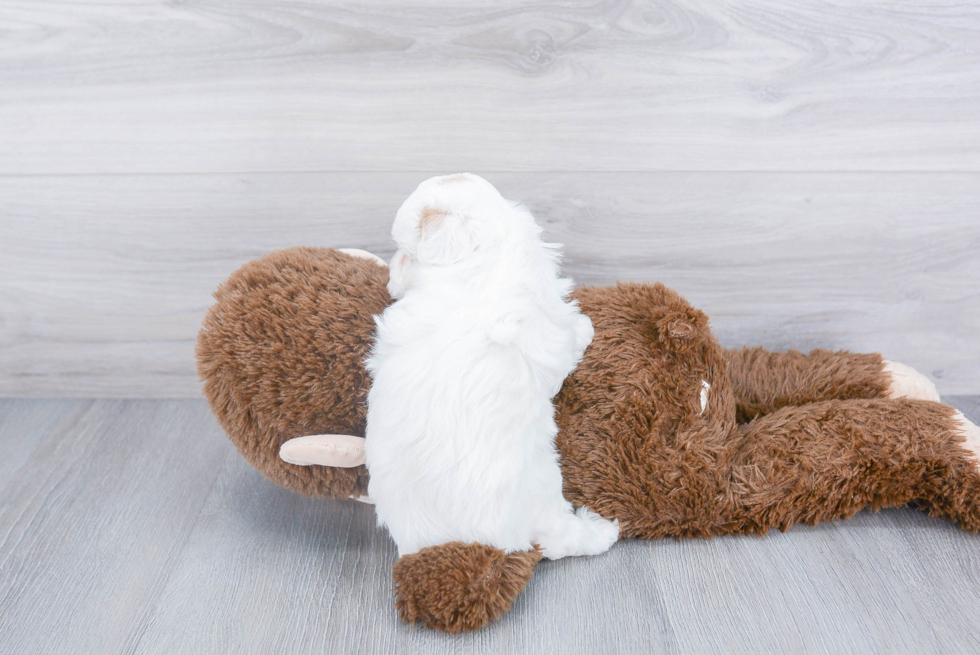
[357, 253]
[336, 450]
[682, 328]
[446, 237]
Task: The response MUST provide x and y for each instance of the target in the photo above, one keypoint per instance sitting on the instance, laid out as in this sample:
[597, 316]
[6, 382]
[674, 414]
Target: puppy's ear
[446, 237]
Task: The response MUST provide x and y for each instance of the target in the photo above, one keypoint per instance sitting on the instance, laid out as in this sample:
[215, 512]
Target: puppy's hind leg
[583, 532]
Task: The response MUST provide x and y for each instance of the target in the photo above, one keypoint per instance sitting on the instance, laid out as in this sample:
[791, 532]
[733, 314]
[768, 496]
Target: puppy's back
[463, 372]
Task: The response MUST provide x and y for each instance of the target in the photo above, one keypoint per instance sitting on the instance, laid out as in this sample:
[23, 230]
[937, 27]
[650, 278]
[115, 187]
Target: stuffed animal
[659, 426]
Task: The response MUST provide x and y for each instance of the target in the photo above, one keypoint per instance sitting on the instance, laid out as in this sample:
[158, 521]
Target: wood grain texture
[107, 278]
[132, 528]
[94, 514]
[149, 148]
[219, 86]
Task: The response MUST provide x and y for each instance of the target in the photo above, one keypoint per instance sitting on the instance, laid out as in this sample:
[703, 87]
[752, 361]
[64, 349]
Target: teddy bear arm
[765, 381]
[830, 459]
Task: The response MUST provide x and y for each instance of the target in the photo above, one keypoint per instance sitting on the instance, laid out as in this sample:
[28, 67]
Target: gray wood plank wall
[808, 173]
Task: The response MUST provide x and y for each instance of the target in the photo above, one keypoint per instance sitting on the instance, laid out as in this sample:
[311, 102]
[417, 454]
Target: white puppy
[460, 425]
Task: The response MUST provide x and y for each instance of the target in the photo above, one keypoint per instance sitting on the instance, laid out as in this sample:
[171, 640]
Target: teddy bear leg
[766, 381]
[828, 460]
[457, 587]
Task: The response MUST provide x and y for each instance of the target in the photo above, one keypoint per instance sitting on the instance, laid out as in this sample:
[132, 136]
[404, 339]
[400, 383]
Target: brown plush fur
[456, 586]
[765, 381]
[785, 437]
[830, 459]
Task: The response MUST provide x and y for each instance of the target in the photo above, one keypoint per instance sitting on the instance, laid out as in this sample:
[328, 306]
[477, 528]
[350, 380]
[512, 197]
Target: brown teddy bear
[659, 426]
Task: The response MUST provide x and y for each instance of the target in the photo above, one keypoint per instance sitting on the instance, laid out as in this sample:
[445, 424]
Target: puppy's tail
[458, 587]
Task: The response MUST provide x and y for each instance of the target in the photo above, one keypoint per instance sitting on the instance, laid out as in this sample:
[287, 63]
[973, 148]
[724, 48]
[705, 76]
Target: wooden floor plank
[107, 278]
[91, 522]
[219, 86]
[297, 574]
[25, 423]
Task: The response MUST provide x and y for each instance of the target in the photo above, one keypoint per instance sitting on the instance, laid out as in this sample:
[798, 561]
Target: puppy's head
[445, 221]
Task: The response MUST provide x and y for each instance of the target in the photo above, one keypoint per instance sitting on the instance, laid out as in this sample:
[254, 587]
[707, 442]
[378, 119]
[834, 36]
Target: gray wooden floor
[132, 526]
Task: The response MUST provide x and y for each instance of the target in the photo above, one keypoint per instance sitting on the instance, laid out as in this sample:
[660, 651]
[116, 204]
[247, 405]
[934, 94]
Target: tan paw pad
[906, 382]
[971, 435]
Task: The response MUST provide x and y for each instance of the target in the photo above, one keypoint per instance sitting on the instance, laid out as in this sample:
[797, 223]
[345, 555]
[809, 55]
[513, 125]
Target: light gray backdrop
[808, 174]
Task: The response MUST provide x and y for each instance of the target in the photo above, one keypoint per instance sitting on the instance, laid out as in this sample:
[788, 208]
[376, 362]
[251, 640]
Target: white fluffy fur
[460, 427]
